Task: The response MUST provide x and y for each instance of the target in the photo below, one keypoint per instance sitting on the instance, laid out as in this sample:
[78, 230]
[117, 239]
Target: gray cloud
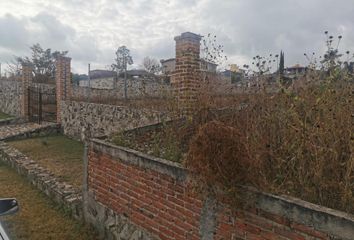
[92, 30]
[13, 33]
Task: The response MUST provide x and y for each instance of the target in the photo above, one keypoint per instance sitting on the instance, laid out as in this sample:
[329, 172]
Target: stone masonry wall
[136, 88]
[14, 99]
[10, 97]
[154, 197]
[103, 119]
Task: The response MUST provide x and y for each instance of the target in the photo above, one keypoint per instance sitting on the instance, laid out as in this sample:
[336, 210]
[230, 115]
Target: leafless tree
[151, 65]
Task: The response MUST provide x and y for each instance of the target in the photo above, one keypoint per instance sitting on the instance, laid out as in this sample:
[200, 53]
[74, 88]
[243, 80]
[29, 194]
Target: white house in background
[104, 79]
[101, 79]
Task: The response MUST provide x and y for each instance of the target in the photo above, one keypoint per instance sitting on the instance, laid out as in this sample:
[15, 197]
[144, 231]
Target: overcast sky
[91, 30]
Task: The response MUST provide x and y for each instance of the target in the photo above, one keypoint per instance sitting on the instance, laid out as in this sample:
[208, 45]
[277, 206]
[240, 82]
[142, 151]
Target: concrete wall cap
[188, 35]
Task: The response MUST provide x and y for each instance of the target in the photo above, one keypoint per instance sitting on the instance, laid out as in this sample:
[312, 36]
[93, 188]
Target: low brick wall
[103, 119]
[62, 193]
[154, 200]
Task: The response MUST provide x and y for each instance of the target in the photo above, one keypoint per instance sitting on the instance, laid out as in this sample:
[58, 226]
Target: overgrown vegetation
[159, 141]
[296, 141]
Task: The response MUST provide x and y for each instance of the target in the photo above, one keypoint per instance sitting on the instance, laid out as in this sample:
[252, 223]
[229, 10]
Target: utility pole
[125, 77]
[89, 83]
[115, 81]
[0, 70]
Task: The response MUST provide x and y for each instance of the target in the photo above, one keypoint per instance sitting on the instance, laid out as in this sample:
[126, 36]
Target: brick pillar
[186, 77]
[26, 82]
[63, 82]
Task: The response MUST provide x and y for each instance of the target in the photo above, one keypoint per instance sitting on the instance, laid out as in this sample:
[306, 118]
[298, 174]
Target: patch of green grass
[39, 217]
[60, 154]
[4, 116]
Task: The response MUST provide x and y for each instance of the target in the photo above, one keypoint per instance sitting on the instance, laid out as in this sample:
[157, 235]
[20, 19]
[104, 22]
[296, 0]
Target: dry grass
[38, 217]
[61, 155]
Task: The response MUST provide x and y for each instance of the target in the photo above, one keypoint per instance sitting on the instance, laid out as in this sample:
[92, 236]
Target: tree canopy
[42, 61]
[122, 60]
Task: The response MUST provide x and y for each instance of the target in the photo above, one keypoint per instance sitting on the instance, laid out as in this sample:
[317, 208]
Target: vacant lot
[38, 217]
[61, 155]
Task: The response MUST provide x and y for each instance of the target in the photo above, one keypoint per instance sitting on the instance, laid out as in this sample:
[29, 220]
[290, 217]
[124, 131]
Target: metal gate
[42, 104]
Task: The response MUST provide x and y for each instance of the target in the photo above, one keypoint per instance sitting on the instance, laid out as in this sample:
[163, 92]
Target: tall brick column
[63, 82]
[186, 77]
[26, 82]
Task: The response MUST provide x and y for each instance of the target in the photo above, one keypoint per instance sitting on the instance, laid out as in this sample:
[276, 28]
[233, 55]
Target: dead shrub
[219, 156]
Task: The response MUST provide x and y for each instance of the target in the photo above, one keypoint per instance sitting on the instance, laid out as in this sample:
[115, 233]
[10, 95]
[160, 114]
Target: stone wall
[22, 130]
[155, 199]
[103, 119]
[10, 97]
[136, 88]
[100, 83]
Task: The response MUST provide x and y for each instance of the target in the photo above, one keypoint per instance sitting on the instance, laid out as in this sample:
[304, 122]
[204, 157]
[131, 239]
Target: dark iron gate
[42, 104]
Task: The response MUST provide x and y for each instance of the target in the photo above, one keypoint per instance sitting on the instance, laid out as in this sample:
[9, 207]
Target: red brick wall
[186, 77]
[165, 207]
[26, 82]
[63, 82]
[151, 200]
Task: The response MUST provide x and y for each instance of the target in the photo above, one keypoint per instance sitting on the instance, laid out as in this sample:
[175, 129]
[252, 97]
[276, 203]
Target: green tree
[42, 62]
[122, 60]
